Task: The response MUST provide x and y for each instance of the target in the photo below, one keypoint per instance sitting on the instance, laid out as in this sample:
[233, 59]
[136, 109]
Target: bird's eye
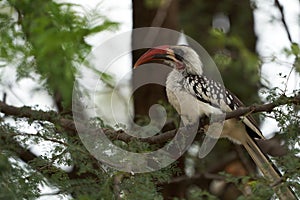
[179, 54]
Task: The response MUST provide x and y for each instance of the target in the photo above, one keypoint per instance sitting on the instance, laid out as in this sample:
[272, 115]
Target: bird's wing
[216, 95]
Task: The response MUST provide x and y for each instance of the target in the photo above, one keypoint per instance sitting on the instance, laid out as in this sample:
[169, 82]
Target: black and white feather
[216, 95]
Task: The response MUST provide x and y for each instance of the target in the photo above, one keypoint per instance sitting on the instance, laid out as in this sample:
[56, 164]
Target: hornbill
[186, 82]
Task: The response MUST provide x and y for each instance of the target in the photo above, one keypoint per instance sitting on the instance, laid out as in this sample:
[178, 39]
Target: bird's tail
[268, 169]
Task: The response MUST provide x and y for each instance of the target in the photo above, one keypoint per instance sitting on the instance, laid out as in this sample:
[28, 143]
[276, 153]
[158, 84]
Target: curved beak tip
[136, 64]
[145, 58]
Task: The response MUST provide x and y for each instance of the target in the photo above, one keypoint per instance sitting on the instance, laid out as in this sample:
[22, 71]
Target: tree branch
[69, 125]
[280, 7]
[28, 112]
[268, 107]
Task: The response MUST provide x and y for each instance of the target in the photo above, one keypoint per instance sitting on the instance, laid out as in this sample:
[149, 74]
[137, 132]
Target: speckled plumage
[210, 91]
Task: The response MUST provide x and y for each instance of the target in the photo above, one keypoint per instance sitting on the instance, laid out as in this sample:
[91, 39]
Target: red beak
[156, 54]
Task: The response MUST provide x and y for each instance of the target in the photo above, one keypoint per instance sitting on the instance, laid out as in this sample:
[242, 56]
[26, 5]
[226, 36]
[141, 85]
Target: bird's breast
[186, 104]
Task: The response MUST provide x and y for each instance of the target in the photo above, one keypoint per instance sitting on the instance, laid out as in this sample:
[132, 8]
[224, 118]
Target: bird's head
[182, 58]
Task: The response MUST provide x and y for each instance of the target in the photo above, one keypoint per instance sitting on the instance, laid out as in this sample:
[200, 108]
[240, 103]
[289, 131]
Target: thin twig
[280, 7]
[4, 97]
[45, 138]
[288, 78]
